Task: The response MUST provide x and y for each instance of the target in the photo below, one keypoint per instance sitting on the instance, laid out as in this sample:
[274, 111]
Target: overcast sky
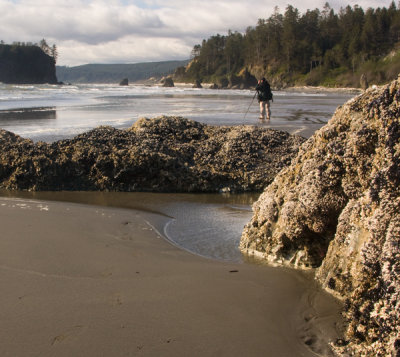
[131, 31]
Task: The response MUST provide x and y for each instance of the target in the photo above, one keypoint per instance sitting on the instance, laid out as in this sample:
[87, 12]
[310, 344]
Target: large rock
[197, 84]
[161, 154]
[244, 80]
[26, 65]
[168, 82]
[337, 207]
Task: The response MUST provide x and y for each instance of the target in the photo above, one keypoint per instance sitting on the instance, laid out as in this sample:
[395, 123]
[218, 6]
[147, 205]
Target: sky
[132, 31]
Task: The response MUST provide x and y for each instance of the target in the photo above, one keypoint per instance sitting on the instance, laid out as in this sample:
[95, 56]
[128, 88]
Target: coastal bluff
[336, 208]
[163, 154]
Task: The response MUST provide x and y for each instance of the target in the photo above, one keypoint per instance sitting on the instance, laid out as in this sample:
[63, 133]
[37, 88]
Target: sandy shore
[81, 280]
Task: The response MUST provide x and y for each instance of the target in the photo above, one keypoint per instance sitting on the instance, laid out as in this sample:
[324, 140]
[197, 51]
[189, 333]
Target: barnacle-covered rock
[337, 208]
[164, 154]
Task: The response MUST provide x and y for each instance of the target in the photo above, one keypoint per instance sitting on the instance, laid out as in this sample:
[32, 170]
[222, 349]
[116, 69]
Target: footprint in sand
[73, 332]
[116, 300]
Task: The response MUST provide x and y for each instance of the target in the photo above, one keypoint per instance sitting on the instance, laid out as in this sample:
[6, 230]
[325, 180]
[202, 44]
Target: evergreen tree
[290, 36]
[233, 51]
[294, 43]
[45, 47]
[54, 53]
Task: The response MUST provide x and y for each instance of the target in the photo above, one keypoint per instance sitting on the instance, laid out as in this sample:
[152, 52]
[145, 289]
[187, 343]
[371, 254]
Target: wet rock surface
[337, 208]
[164, 154]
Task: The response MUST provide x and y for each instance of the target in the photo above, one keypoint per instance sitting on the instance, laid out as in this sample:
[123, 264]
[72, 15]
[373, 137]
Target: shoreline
[310, 89]
[318, 89]
[101, 280]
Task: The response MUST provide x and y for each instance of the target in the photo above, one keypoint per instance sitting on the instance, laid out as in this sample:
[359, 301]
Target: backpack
[264, 92]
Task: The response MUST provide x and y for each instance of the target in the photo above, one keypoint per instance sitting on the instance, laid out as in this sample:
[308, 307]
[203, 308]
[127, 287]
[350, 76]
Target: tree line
[51, 51]
[310, 47]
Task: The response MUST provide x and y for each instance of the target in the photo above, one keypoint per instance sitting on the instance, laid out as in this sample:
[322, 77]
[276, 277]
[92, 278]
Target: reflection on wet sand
[27, 114]
[208, 225]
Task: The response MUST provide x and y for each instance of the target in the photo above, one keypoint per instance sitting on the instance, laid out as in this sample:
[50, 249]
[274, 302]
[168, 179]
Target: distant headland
[114, 73]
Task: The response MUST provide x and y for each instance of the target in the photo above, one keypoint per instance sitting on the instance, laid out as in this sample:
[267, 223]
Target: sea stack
[168, 82]
[26, 65]
[197, 84]
[336, 208]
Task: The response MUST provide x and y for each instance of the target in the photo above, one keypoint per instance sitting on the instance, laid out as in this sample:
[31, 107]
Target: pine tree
[45, 47]
[54, 53]
[290, 36]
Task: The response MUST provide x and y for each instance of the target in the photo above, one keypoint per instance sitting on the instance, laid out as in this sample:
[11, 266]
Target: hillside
[26, 65]
[114, 73]
[317, 48]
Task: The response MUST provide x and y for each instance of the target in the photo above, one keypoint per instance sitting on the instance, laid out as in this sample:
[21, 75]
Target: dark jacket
[263, 91]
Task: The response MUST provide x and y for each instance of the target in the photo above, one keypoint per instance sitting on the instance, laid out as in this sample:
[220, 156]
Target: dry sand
[81, 280]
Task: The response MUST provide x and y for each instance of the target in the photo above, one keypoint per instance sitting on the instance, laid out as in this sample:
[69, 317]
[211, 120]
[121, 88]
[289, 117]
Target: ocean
[207, 225]
[53, 112]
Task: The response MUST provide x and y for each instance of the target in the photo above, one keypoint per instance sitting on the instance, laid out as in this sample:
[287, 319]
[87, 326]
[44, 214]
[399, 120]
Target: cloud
[111, 31]
[125, 49]
[89, 22]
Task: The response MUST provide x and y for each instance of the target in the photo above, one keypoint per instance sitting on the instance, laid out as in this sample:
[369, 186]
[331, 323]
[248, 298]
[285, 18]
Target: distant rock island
[337, 208]
[26, 65]
[164, 154]
[168, 82]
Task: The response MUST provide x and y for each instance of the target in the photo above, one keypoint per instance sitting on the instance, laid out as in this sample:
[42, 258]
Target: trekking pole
[250, 105]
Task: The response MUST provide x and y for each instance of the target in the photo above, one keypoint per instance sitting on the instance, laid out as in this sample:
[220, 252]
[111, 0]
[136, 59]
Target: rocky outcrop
[26, 65]
[337, 208]
[161, 154]
[167, 82]
[364, 82]
[243, 80]
[197, 84]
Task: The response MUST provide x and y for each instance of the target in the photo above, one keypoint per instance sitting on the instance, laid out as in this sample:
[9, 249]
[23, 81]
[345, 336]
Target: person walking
[264, 95]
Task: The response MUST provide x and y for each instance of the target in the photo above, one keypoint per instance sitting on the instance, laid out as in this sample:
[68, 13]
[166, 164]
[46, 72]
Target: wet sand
[80, 280]
[209, 225]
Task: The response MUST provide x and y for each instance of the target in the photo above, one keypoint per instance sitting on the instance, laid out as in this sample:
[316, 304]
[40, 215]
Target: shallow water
[49, 113]
[208, 225]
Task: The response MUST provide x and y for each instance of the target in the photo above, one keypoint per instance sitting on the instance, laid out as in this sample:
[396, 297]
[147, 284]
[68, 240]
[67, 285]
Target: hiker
[264, 95]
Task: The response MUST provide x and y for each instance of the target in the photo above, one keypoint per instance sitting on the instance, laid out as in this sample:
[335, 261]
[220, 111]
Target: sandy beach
[80, 280]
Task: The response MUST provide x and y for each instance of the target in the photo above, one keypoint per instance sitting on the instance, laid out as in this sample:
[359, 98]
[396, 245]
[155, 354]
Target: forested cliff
[26, 64]
[319, 47]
